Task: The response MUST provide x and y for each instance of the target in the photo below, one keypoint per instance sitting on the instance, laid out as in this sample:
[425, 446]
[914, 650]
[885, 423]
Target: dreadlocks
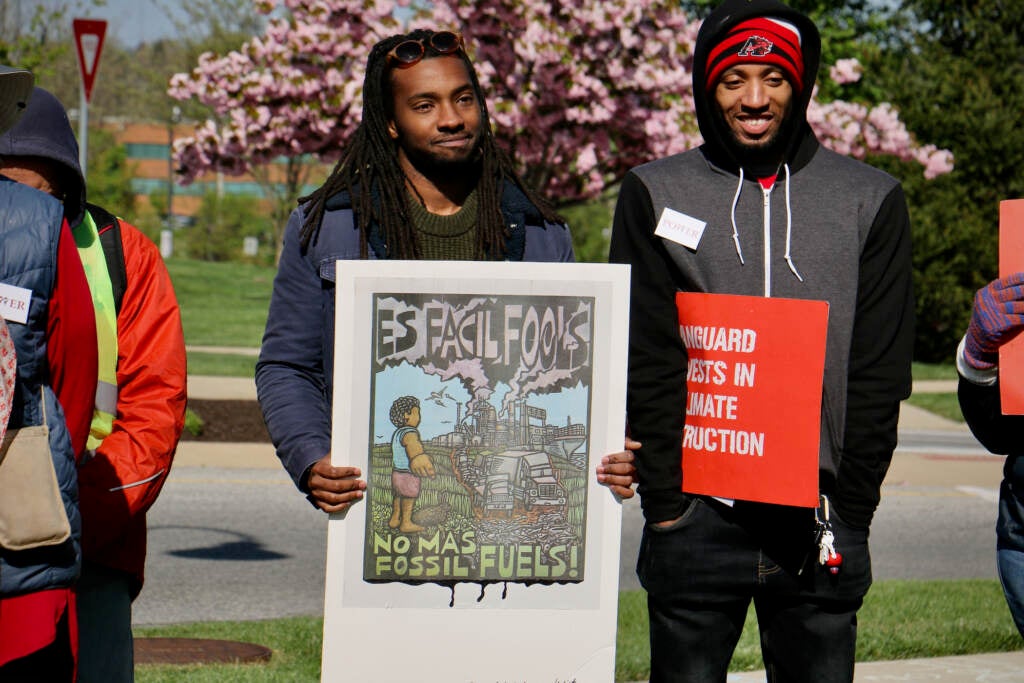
[370, 173]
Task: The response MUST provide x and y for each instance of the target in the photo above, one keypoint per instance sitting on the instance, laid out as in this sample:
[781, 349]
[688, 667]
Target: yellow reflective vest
[90, 250]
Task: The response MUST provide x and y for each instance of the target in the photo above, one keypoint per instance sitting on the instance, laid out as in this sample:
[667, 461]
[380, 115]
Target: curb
[225, 350]
[212, 388]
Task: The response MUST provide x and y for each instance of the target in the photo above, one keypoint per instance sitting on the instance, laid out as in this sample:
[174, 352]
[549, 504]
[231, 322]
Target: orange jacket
[119, 484]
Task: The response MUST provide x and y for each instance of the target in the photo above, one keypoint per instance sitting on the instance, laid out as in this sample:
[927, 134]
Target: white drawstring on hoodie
[789, 229]
[735, 230]
[767, 231]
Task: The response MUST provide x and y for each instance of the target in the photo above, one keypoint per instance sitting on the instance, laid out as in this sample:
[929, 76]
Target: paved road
[230, 537]
[232, 544]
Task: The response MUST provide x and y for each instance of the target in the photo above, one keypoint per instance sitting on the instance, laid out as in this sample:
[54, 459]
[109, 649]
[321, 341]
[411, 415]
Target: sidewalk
[991, 668]
[998, 667]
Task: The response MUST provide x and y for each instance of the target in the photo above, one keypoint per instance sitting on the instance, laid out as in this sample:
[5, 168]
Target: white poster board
[507, 569]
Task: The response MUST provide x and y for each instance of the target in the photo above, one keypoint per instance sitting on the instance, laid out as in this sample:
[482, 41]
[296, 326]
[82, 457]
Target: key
[826, 547]
[827, 555]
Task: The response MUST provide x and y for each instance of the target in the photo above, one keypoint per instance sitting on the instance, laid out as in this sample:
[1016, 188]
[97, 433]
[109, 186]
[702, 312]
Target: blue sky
[131, 21]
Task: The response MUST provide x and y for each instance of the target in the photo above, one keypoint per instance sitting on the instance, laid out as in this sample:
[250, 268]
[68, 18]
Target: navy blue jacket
[1000, 434]
[295, 372]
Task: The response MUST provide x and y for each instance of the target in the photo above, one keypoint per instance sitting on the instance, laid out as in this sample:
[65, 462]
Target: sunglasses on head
[409, 52]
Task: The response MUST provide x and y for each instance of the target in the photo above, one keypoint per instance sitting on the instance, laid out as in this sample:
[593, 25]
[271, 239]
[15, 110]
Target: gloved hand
[998, 314]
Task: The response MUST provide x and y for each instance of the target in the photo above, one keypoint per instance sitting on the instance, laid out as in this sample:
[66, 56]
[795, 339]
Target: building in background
[148, 151]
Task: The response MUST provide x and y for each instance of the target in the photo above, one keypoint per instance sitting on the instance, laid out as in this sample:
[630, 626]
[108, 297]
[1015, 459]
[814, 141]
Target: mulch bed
[228, 421]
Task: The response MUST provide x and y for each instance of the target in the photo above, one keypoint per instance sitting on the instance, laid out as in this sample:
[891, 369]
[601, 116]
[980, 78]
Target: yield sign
[89, 43]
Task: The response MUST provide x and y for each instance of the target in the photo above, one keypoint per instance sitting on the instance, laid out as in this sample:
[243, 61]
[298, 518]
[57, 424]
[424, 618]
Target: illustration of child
[410, 463]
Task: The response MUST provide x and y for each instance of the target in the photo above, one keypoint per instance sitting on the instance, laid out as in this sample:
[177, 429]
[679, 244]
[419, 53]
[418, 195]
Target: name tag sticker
[14, 303]
[679, 228]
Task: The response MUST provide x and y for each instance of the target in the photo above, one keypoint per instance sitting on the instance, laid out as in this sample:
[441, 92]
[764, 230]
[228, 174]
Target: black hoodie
[44, 131]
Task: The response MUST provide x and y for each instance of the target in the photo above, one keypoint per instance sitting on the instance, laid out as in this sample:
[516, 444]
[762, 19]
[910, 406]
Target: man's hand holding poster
[753, 396]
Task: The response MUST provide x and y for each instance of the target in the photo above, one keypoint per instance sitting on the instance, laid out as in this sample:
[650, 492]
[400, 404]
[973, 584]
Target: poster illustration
[476, 400]
[479, 437]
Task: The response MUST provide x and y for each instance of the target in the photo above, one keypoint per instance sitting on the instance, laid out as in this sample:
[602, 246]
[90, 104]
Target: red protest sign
[89, 34]
[753, 406]
[1011, 260]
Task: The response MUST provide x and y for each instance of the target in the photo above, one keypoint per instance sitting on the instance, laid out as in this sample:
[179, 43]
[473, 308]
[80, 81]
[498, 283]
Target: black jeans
[702, 573]
[1010, 538]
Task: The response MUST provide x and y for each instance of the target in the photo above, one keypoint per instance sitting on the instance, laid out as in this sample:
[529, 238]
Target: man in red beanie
[779, 216]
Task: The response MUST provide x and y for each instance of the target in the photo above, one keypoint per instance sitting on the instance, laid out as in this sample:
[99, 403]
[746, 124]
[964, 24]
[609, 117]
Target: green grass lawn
[899, 620]
[223, 303]
[221, 364]
[933, 371]
[944, 405]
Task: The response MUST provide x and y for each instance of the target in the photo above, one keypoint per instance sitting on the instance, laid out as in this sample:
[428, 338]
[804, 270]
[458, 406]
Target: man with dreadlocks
[422, 179]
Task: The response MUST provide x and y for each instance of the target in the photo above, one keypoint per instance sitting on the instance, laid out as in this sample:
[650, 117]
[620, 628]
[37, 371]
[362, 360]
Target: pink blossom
[587, 159]
[845, 71]
[936, 161]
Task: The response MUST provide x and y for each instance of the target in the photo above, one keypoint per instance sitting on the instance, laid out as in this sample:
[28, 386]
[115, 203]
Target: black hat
[15, 89]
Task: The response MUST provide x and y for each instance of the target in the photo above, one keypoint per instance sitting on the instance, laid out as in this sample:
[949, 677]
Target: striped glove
[997, 316]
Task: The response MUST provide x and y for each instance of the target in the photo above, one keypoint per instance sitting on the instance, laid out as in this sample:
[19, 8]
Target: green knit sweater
[446, 238]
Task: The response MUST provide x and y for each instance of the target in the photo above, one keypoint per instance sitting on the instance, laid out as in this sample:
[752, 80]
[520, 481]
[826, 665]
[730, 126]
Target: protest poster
[478, 400]
[753, 396]
[1011, 260]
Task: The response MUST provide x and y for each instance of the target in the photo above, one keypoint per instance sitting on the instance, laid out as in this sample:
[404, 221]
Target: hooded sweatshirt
[831, 228]
[45, 131]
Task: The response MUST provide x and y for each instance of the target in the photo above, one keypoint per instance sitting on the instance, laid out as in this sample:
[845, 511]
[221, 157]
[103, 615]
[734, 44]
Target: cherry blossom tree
[579, 91]
[857, 129]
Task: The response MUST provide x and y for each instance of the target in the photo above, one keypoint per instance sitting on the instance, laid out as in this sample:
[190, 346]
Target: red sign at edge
[1011, 260]
[89, 34]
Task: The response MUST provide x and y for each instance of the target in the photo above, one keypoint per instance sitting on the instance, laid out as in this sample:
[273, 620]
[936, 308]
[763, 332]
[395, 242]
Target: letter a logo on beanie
[762, 40]
[756, 46]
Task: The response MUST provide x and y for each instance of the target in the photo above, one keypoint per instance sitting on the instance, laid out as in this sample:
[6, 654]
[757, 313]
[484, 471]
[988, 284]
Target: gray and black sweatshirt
[831, 228]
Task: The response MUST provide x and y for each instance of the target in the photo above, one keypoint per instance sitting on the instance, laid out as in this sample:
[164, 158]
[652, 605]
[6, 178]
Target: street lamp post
[175, 118]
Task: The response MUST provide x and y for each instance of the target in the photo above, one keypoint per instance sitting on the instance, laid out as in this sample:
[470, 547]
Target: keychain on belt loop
[827, 555]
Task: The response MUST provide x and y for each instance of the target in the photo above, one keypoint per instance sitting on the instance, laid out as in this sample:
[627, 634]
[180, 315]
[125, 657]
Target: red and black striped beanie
[762, 40]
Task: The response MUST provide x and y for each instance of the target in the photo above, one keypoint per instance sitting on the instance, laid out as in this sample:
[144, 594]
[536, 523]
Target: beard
[763, 158]
[762, 155]
[433, 165]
